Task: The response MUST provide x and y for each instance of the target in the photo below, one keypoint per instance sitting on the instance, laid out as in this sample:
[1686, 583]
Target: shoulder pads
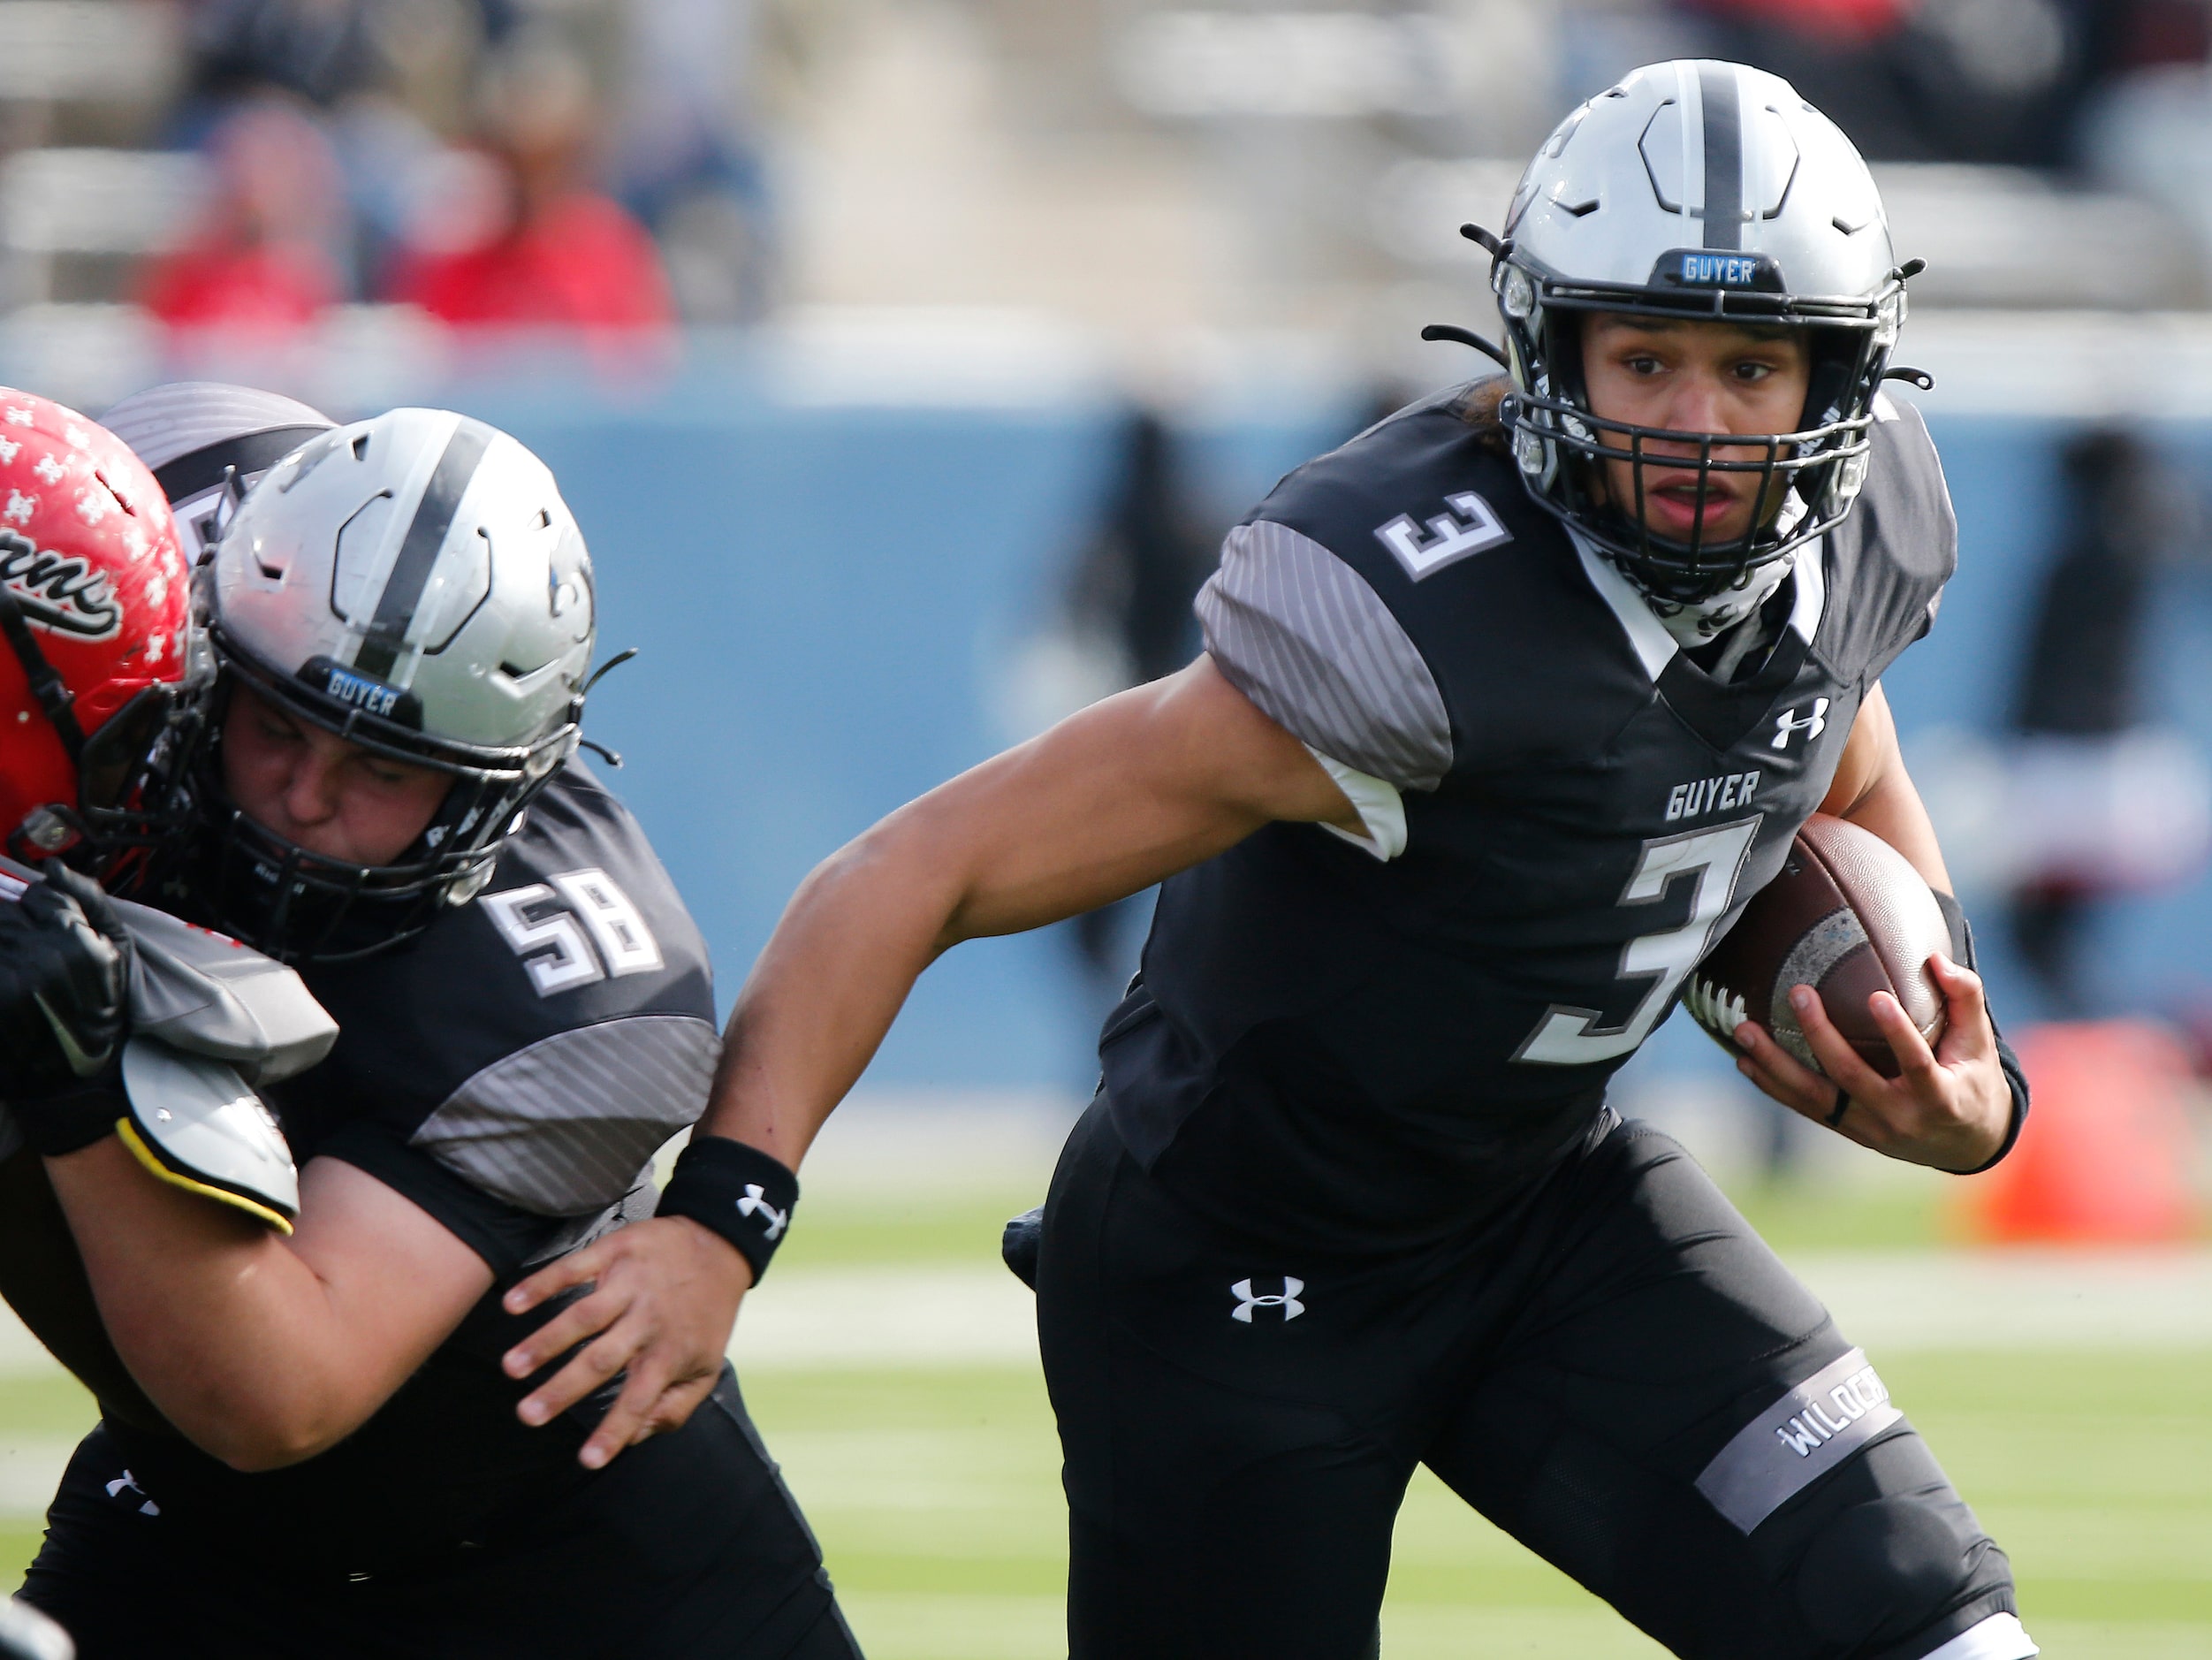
[195, 1124]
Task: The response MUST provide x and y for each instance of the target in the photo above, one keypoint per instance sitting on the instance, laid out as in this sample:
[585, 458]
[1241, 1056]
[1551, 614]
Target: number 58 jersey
[1561, 809]
[510, 1072]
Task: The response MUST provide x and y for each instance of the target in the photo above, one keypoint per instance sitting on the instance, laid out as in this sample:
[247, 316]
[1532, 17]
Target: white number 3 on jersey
[541, 922]
[1714, 860]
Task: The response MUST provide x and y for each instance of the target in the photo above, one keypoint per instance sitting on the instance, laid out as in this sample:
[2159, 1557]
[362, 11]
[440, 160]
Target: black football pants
[1621, 1376]
[687, 1547]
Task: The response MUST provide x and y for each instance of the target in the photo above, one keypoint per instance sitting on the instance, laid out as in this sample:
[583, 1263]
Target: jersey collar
[1647, 636]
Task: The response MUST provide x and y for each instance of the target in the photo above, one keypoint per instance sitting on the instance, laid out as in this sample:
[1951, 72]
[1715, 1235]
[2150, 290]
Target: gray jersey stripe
[564, 1126]
[1301, 634]
[1719, 91]
[387, 632]
[1283, 661]
[610, 1121]
[1347, 613]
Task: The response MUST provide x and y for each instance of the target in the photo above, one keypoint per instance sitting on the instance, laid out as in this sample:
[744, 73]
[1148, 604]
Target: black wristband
[735, 1191]
[1962, 935]
[1955, 922]
[2015, 1080]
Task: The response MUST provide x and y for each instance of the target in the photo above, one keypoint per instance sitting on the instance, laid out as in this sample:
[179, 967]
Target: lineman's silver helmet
[414, 584]
[1700, 190]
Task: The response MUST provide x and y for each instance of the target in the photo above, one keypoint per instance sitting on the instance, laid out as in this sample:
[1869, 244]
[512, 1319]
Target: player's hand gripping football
[663, 1302]
[1949, 1106]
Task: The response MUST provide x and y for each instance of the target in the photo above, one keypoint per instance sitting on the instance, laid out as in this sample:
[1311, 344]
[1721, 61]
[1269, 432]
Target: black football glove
[65, 1000]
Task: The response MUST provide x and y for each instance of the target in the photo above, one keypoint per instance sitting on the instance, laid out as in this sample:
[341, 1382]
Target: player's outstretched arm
[262, 1349]
[1109, 802]
[1950, 1107]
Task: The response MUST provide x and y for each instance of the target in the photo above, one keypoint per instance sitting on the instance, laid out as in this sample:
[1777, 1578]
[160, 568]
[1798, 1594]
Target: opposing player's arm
[265, 1351]
[1110, 801]
[1951, 1106]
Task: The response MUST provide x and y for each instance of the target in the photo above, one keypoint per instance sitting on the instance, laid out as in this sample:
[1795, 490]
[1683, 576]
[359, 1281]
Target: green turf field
[936, 1493]
[935, 1488]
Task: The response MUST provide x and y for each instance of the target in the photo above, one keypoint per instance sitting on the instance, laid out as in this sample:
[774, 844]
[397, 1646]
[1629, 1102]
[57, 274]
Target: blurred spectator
[2148, 130]
[527, 241]
[358, 67]
[318, 51]
[686, 160]
[1137, 580]
[261, 260]
[2102, 802]
[1128, 615]
[1958, 81]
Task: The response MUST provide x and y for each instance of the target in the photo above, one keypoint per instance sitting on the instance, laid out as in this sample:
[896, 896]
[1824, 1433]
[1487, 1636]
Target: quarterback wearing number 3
[1507, 708]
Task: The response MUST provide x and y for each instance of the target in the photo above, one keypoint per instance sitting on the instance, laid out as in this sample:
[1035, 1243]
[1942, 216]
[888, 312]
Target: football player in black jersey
[1506, 707]
[307, 1446]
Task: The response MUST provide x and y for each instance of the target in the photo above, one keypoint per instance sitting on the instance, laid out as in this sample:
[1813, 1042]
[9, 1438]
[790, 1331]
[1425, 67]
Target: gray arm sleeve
[1301, 634]
[564, 1126]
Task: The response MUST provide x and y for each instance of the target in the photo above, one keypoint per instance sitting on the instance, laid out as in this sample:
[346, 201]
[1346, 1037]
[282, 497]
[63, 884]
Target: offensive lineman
[403, 618]
[1439, 846]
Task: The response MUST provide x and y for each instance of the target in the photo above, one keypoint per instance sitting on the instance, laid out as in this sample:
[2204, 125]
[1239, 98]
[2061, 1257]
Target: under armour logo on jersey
[1286, 1300]
[1449, 539]
[755, 1203]
[1788, 724]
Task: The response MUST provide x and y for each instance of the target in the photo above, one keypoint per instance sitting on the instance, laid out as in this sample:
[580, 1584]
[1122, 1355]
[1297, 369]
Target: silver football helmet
[1696, 190]
[415, 584]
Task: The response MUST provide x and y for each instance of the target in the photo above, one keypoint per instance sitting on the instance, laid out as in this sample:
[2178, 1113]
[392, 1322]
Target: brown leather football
[1849, 916]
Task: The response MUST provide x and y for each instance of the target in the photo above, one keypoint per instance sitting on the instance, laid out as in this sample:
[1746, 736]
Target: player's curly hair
[1477, 407]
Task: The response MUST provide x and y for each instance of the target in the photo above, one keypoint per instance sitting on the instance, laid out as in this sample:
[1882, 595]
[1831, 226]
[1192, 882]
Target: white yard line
[958, 1315]
[891, 1316]
[2017, 1299]
[30, 1469]
[980, 1315]
[1890, 1301]
[962, 1315]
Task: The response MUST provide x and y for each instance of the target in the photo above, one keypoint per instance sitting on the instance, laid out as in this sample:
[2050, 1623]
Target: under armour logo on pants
[1288, 1300]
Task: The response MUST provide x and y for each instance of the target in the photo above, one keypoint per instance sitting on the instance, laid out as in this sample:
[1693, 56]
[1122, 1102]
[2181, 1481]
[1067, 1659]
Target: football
[1849, 916]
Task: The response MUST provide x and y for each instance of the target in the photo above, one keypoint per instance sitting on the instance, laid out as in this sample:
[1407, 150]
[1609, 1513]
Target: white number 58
[554, 948]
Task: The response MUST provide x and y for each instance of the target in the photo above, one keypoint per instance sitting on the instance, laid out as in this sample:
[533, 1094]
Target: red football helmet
[95, 617]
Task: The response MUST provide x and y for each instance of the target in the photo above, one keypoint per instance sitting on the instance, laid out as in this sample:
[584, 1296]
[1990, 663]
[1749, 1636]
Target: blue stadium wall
[826, 599]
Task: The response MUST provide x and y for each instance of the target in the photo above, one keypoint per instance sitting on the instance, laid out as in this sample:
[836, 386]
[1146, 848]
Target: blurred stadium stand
[93, 51]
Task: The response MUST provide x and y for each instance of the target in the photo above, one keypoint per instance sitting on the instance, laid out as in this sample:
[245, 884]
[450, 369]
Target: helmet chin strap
[47, 686]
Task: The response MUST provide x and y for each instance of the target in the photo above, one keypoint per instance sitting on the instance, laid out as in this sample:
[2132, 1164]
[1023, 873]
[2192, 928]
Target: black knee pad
[1889, 1550]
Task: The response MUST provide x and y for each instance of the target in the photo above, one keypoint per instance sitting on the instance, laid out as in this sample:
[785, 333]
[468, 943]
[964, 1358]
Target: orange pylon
[2107, 1156]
